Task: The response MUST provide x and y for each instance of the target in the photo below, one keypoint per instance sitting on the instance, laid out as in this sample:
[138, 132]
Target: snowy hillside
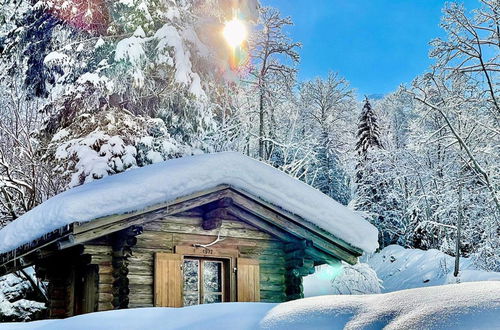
[401, 268]
[397, 268]
[459, 306]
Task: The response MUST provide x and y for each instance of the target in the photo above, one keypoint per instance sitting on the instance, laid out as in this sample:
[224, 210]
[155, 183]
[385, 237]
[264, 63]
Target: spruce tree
[368, 131]
[370, 188]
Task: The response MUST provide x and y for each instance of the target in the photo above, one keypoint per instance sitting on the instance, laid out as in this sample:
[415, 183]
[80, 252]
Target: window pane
[212, 277]
[191, 275]
[191, 299]
[212, 298]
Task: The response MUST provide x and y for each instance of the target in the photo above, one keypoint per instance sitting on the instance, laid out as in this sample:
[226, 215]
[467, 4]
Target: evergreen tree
[371, 187]
[368, 131]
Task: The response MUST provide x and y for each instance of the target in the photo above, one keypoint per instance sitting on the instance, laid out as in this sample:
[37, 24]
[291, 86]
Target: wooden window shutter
[248, 280]
[168, 280]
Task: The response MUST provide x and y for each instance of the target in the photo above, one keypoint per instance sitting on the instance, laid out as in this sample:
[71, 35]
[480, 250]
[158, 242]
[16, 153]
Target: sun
[235, 32]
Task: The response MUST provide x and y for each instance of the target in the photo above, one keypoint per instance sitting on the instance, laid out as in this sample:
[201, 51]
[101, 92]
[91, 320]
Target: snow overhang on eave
[319, 241]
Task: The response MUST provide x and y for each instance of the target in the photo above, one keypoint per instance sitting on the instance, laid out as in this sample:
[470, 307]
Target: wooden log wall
[111, 254]
[164, 235]
[122, 243]
[102, 257]
[298, 264]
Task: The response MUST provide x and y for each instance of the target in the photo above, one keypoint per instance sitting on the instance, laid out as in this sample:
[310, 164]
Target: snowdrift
[401, 268]
[397, 268]
[458, 306]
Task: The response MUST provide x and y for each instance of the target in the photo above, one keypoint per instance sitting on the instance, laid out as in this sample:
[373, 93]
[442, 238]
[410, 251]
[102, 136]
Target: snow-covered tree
[368, 131]
[274, 56]
[327, 114]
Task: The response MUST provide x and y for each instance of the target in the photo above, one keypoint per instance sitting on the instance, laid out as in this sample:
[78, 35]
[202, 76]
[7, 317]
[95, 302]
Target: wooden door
[168, 280]
[248, 280]
[85, 289]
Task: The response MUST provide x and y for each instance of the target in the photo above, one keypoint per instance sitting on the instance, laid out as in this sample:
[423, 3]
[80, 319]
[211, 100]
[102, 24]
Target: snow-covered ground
[397, 268]
[401, 268]
[459, 306]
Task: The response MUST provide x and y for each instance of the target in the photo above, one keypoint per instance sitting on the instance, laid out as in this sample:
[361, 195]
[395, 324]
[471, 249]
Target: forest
[91, 89]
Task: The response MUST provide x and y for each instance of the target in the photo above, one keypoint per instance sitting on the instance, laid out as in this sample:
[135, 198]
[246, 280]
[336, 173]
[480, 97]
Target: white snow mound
[401, 268]
[458, 306]
[139, 188]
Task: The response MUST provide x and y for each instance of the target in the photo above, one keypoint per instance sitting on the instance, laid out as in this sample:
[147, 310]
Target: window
[203, 281]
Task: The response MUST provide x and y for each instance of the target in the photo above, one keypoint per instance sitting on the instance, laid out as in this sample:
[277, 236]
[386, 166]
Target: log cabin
[202, 229]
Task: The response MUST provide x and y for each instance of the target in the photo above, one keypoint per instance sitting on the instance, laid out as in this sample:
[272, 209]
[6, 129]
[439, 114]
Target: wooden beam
[294, 218]
[257, 222]
[286, 225]
[168, 208]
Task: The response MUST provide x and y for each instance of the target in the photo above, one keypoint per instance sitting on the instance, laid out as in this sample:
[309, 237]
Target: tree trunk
[261, 124]
[459, 227]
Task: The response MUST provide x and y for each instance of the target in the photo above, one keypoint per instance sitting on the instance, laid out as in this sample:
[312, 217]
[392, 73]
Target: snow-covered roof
[140, 188]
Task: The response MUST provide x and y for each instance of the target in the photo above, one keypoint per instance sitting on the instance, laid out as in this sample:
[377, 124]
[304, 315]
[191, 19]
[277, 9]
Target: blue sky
[375, 44]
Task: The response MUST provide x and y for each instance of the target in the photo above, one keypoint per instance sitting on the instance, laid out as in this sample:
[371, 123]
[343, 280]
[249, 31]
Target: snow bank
[401, 268]
[342, 279]
[397, 268]
[459, 306]
[139, 188]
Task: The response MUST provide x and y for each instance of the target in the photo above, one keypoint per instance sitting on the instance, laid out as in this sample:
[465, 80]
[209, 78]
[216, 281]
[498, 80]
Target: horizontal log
[139, 305]
[104, 306]
[272, 296]
[271, 260]
[267, 286]
[105, 288]
[272, 268]
[141, 288]
[97, 249]
[140, 279]
[140, 269]
[105, 269]
[265, 277]
[140, 298]
[154, 239]
[227, 242]
[264, 250]
[105, 297]
[106, 278]
[227, 229]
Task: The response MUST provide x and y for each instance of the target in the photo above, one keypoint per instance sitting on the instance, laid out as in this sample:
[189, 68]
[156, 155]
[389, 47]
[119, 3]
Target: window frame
[230, 255]
[225, 280]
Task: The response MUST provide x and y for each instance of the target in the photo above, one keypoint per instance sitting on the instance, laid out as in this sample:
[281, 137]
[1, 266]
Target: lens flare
[235, 32]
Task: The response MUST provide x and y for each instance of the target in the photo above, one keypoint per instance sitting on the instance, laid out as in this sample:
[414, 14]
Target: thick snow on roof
[459, 306]
[162, 182]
